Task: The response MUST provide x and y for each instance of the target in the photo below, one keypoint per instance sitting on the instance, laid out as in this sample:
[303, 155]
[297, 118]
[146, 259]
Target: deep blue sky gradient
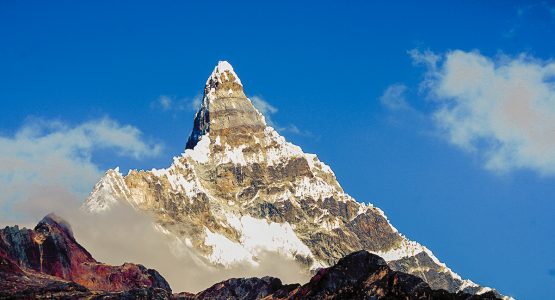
[324, 65]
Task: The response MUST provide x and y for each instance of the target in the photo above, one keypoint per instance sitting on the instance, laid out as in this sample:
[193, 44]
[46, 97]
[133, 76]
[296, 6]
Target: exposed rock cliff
[240, 188]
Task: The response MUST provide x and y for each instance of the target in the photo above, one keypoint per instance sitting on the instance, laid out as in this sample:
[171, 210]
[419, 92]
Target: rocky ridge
[240, 188]
[360, 275]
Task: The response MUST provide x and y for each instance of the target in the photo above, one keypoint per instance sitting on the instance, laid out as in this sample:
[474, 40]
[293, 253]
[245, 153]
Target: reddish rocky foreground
[47, 262]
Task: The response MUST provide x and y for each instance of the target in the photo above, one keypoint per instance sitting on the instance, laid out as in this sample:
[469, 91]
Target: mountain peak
[54, 220]
[225, 108]
[240, 188]
[223, 72]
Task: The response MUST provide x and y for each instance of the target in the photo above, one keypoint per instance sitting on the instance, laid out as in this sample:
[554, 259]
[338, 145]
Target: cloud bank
[502, 108]
[123, 234]
[47, 164]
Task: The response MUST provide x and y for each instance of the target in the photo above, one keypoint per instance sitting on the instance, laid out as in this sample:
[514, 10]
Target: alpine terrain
[240, 188]
[48, 263]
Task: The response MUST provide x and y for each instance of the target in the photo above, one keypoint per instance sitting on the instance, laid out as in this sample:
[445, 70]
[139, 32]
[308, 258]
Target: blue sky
[442, 114]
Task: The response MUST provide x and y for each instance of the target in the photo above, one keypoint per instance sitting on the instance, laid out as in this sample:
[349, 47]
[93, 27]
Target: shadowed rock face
[51, 257]
[360, 275]
[225, 108]
[242, 288]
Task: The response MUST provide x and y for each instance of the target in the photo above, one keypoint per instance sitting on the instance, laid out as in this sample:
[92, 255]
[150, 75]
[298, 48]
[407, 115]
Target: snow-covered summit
[240, 188]
[223, 72]
[225, 108]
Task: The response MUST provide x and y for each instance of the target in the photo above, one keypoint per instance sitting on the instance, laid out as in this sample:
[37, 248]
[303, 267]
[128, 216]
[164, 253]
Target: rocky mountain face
[240, 188]
[360, 275]
[48, 262]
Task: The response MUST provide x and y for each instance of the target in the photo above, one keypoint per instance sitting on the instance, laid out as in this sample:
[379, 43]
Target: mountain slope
[240, 189]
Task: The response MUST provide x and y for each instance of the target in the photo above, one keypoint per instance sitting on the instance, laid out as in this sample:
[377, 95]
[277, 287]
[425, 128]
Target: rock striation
[240, 188]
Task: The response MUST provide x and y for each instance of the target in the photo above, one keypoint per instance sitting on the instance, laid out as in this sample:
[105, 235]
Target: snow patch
[314, 188]
[278, 149]
[406, 249]
[315, 163]
[107, 192]
[201, 152]
[180, 181]
[225, 251]
[260, 234]
[256, 236]
[221, 71]
[234, 155]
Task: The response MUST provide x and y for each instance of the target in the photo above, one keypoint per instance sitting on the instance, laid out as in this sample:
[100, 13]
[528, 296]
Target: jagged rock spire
[225, 108]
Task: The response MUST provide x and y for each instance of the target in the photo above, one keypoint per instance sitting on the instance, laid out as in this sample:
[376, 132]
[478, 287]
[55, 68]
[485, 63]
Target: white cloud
[502, 108]
[394, 97]
[165, 102]
[428, 58]
[47, 164]
[264, 108]
[196, 103]
[123, 234]
[267, 109]
[170, 103]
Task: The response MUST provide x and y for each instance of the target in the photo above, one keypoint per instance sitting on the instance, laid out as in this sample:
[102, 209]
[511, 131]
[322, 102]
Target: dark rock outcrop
[242, 289]
[360, 275]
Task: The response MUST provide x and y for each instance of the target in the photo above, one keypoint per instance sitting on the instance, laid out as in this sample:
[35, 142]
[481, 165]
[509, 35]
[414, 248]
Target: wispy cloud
[171, 103]
[264, 107]
[501, 108]
[47, 163]
[268, 110]
[165, 102]
[394, 97]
